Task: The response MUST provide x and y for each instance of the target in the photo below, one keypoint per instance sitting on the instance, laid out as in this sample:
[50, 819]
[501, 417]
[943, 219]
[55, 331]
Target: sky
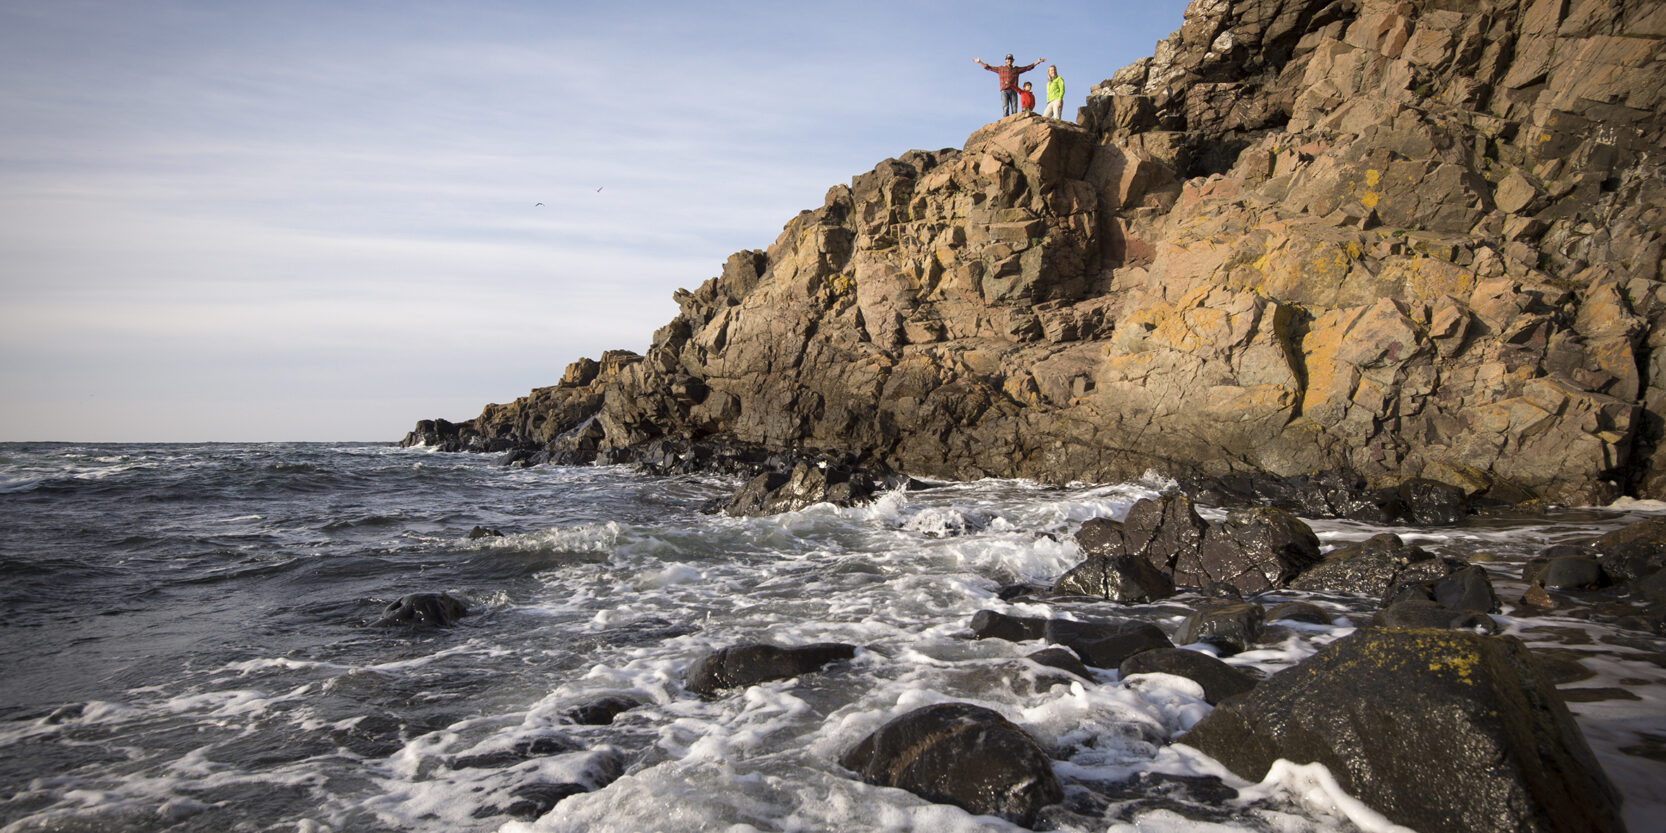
[253, 220]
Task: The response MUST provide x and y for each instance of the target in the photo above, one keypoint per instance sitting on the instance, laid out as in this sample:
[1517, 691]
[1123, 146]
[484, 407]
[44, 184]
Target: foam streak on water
[186, 648]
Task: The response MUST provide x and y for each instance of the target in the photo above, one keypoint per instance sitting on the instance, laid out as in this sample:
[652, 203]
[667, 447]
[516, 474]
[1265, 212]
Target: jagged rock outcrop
[1395, 239]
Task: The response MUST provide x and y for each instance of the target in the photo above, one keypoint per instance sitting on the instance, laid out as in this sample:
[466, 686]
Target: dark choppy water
[184, 647]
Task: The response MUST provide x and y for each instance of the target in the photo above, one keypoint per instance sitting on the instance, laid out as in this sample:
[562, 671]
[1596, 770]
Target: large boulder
[738, 666]
[1219, 680]
[1635, 551]
[960, 754]
[1441, 731]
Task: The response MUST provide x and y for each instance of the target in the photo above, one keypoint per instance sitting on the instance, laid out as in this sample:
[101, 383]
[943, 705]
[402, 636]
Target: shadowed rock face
[1397, 240]
[1418, 724]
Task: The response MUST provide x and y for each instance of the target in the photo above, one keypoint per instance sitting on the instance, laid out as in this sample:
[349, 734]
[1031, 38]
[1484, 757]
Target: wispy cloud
[291, 204]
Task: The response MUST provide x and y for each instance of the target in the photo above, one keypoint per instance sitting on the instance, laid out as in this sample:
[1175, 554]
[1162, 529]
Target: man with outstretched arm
[1009, 81]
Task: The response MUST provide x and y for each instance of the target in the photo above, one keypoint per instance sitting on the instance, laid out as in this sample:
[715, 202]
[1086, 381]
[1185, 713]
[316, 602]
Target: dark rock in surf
[1233, 627]
[483, 532]
[1464, 589]
[1425, 613]
[1251, 551]
[1128, 579]
[1219, 680]
[1567, 572]
[1300, 612]
[600, 711]
[521, 750]
[1106, 644]
[1063, 659]
[418, 610]
[745, 665]
[960, 754]
[1363, 568]
[989, 624]
[1432, 503]
[1634, 551]
[1419, 725]
[806, 484]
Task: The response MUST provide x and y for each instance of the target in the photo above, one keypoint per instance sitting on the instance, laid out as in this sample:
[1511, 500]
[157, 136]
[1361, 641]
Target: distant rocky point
[1395, 240]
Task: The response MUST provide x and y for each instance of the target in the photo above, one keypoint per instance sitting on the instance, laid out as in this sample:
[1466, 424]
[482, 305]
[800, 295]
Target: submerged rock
[424, 610]
[745, 665]
[1441, 731]
[990, 624]
[1232, 627]
[600, 711]
[960, 754]
[1218, 679]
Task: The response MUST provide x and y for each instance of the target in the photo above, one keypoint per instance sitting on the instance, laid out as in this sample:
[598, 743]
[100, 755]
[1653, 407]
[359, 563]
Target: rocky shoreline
[1398, 261]
[1423, 711]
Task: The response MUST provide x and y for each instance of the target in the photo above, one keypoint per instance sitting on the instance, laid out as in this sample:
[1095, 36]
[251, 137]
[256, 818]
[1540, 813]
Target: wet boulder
[960, 754]
[1311, 614]
[990, 624]
[739, 666]
[1635, 551]
[1218, 679]
[1440, 731]
[600, 710]
[1575, 571]
[1253, 550]
[1464, 589]
[1106, 644]
[806, 484]
[1431, 502]
[1128, 579]
[1363, 568]
[1063, 659]
[1428, 613]
[423, 610]
[1232, 626]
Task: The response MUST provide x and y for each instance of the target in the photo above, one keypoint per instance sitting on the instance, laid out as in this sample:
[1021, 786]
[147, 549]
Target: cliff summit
[1401, 239]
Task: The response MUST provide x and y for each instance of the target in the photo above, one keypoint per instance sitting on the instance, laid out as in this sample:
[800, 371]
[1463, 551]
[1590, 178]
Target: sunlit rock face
[1393, 239]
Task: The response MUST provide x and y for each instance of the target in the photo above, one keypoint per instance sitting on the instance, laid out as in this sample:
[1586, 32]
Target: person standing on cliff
[1009, 81]
[1026, 99]
[1055, 94]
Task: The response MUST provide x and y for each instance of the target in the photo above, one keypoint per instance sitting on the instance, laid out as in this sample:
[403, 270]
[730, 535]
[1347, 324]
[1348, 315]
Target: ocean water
[187, 645]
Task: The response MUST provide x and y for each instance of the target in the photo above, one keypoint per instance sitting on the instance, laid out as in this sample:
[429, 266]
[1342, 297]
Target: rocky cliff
[1395, 239]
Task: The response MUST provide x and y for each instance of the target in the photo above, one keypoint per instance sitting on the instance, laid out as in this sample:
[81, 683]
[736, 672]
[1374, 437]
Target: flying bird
[599, 190]
[535, 205]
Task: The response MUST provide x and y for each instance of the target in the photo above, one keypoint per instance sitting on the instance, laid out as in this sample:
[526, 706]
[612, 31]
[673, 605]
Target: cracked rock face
[1392, 239]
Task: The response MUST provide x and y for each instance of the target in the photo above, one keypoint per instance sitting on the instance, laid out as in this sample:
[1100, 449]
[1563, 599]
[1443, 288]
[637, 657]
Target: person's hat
[1009, 57]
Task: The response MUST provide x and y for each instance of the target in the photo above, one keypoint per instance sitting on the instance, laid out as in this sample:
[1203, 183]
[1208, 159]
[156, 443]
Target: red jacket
[1026, 99]
[1009, 75]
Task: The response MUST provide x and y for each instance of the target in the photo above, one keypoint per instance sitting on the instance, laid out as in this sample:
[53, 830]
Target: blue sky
[255, 220]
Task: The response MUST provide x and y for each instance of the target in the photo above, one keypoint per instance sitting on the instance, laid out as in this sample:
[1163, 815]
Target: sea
[189, 643]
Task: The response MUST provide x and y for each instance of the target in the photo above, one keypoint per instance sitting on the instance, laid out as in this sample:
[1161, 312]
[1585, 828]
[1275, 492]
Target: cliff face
[1392, 238]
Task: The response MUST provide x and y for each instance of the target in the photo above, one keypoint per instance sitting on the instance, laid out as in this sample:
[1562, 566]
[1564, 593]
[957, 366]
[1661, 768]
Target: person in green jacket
[1055, 94]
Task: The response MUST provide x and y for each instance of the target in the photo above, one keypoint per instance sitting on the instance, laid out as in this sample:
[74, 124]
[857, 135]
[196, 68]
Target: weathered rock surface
[738, 666]
[960, 754]
[1408, 241]
[1437, 730]
[1369, 567]
[1128, 579]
